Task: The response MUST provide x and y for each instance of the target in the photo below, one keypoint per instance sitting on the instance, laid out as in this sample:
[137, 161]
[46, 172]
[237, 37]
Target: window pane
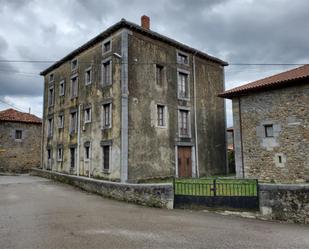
[106, 157]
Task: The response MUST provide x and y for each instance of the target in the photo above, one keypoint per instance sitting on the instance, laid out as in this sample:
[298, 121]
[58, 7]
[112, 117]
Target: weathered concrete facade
[284, 156]
[140, 148]
[19, 155]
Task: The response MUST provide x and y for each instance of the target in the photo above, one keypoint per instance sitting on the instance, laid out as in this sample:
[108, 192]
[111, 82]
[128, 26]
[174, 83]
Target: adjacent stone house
[132, 104]
[271, 127]
[20, 141]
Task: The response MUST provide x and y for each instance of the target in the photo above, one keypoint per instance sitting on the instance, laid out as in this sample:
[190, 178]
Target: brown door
[184, 162]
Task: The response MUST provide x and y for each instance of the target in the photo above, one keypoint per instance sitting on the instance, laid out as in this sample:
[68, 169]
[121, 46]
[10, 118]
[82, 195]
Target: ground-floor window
[72, 158]
[106, 157]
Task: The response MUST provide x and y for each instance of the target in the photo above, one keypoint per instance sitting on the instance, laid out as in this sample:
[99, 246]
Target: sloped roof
[11, 115]
[132, 26]
[292, 76]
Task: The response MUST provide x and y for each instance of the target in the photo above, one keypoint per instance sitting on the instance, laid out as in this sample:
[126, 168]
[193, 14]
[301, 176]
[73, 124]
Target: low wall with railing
[286, 202]
[153, 195]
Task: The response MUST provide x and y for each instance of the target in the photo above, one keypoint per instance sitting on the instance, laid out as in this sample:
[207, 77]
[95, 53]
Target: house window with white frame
[88, 76]
[60, 121]
[183, 85]
[107, 115]
[50, 124]
[107, 72]
[106, 149]
[74, 65]
[87, 151]
[87, 115]
[74, 86]
[60, 154]
[183, 123]
[182, 58]
[73, 122]
[51, 96]
[107, 46]
[61, 88]
[161, 122]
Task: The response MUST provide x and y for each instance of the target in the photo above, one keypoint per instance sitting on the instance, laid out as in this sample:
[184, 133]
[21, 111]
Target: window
[60, 154]
[161, 115]
[107, 115]
[183, 122]
[183, 85]
[87, 115]
[107, 72]
[269, 130]
[74, 87]
[182, 58]
[51, 96]
[88, 76]
[50, 127]
[87, 151]
[18, 134]
[73, 123]
[159, 75]
[49, 154]
[61, 88]
[106, 157]
[51, 77]
[72, 157]
[74, 65]
[60, 121]
[107, 46]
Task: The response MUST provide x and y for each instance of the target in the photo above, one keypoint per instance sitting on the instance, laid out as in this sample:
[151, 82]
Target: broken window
[74, 65]
[74, 87]
[51, 77]
[87, 115]
[182, 58]
[73, 123]
[88, 76]
[61, 88]
[107, 46]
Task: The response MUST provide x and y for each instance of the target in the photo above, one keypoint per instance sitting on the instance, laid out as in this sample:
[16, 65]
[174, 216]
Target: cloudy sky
[238, 31]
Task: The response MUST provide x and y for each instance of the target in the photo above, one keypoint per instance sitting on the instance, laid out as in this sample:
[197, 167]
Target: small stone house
[271, 127]
[133, 104]
[20, 141]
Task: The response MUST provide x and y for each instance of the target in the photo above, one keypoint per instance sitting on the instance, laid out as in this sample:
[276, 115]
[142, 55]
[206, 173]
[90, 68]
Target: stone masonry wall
[286, 202]
[284, 157]
[19, 155]
[153, 195]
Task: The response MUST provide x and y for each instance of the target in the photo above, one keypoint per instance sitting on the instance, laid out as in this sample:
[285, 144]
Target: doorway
[184, 161]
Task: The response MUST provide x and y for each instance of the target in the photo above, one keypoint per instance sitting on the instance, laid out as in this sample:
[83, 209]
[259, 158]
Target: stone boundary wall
[286, 202]
[153, 195]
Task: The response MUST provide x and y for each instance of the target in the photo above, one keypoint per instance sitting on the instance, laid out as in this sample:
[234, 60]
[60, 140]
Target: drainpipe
[78, 139]
[195, 121]
[90, 162]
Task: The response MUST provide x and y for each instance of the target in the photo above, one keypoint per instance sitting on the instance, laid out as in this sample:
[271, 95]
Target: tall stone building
[132, 104]
[271, 127]
[20, 141]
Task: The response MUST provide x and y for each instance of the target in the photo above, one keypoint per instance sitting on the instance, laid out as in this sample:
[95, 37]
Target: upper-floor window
[74, 86]
[269, 130]
[61, 88]
[182, 58]
[73, 122]
[87, 115]
[107, 46]
[107, 116]
[60, 121]
[50, 98]
[107, 72]
[51, 77]
[183, 122]
[183, 85]
[18, 134]
[161, 115]
[88, 76]
[50, 124]
[74, 65]
[159, 75]
[60, 154]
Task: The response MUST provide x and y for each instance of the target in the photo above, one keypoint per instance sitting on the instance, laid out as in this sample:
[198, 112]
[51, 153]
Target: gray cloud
[247, 31]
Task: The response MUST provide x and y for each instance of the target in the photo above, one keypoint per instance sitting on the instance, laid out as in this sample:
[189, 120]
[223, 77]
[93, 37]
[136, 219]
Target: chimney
[145, 22]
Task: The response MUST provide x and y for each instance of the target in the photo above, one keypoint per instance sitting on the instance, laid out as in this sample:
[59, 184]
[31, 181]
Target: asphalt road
[38, 213]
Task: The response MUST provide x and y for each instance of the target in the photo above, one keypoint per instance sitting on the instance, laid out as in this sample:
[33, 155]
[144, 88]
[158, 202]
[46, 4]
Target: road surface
[39, 213]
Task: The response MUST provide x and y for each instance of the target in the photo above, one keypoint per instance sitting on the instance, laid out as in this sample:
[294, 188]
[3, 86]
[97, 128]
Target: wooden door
[184, 161]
